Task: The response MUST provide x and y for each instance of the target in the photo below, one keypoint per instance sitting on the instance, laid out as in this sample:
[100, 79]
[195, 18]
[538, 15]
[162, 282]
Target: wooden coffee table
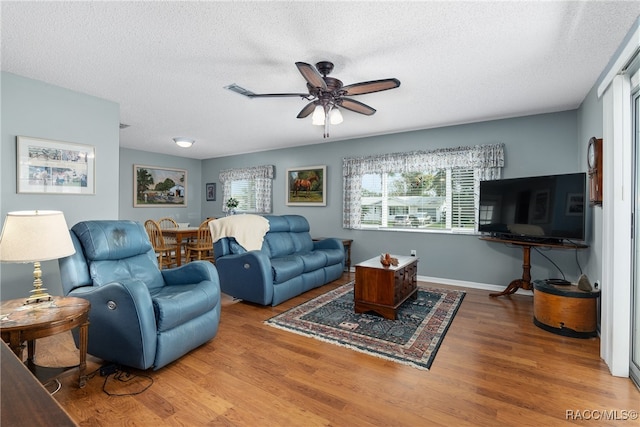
[383, 289]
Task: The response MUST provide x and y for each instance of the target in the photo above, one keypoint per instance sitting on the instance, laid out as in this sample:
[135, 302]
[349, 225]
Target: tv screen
[540, 208]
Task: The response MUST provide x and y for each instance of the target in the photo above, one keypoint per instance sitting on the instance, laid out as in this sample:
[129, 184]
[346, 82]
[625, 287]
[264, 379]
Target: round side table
[20, 322]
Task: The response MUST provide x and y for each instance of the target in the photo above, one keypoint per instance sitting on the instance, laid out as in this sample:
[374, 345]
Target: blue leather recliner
[140, 316]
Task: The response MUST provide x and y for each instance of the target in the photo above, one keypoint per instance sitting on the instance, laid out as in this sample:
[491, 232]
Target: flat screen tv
[539, 208]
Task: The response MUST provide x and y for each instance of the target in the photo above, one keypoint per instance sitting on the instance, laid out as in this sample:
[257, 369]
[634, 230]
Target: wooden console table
[525, 281]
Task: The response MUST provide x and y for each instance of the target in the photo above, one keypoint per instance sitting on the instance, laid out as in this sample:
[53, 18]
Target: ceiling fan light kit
[335, 116]
[326, 94]
[183, 142]
[317, 119]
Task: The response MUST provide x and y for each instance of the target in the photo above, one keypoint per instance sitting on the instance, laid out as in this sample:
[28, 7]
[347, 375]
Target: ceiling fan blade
[370, 87]
[308, 109]
[249, 94]
[311, 75]
[280, 95]
[357, 106]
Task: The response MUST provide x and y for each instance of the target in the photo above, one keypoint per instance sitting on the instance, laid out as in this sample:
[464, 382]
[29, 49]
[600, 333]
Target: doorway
[634, 368]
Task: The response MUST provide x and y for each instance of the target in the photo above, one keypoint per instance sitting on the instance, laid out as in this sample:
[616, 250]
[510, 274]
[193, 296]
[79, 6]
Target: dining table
[181, 234]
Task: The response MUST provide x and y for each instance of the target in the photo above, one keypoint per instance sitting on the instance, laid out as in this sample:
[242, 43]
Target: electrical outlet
[413, 252]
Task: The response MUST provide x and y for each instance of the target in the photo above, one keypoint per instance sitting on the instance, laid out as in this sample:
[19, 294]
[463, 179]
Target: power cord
[576, 253]
[58, 386]
[551, 261]
[115, 372]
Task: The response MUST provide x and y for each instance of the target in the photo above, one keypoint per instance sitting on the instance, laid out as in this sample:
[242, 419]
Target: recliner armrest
[122, 325]
[247, 276]
[329, 243]
[192, 272]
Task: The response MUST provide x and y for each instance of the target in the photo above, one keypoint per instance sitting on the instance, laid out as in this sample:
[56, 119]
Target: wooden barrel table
[565, 310]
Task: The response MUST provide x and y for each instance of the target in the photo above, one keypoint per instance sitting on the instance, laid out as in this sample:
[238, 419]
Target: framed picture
[155, 186]
[210, 191]
[54, 167]
[307, 186]
[575, 204]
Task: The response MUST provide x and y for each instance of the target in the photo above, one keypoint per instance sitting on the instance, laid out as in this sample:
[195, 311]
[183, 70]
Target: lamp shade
[33, 236]
[318, 116]
[335, 116]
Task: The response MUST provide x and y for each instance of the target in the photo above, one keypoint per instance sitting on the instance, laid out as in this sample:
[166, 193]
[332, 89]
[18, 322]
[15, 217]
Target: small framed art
[210, 189]
[307, 186]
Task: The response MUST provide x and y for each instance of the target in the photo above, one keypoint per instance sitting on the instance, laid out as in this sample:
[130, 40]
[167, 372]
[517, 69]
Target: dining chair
[165, 251]
[168, 222]
[202, 247]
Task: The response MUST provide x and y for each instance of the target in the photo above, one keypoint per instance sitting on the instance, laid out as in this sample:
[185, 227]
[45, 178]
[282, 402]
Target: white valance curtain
[486, 160]
[262, 176]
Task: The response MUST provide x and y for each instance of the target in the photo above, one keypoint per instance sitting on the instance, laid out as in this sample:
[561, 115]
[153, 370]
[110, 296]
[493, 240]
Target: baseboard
[465, 284]
[473, 285]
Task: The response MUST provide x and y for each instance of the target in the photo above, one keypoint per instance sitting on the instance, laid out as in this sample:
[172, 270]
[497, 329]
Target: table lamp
[35, 236]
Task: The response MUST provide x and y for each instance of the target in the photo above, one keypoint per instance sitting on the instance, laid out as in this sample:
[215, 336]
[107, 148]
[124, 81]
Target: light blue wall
[36, 109]
[590, 125]
[195, 187]
[535, 145]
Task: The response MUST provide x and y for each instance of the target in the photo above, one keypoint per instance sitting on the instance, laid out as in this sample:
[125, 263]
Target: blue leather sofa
[140, 316]
[288, 264]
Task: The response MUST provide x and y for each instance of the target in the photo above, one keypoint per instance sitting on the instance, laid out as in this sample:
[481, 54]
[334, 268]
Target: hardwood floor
[495, 367]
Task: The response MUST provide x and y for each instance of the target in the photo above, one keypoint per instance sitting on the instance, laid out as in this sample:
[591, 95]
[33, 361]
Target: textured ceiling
[166, 63]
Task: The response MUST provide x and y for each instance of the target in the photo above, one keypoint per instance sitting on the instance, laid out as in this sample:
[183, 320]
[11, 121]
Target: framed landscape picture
[155, 186]
[54, 167]
[307, 186]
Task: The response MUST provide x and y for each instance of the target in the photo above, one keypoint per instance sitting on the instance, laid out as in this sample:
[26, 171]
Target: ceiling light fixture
[335, 116]
[184, 142]
[317, 119]
[325, 112]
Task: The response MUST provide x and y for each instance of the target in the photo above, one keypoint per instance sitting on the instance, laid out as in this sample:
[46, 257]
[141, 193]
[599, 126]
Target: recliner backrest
[288, 234]
[118, 250]
[74, 270]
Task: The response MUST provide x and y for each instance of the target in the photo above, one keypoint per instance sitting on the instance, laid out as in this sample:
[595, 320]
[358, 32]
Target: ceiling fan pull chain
[326, 123]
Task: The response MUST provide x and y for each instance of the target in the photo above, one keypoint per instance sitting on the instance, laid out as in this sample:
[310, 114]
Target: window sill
[420, 230]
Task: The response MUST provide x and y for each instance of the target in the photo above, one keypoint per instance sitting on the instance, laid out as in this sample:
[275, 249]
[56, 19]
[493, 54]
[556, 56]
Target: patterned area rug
[413, 339]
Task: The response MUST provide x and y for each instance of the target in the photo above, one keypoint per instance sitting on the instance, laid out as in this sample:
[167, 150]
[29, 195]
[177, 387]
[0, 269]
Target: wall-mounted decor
[54, 167]
[307, 186]
[594, 162]
[155, 186]
[211, 191]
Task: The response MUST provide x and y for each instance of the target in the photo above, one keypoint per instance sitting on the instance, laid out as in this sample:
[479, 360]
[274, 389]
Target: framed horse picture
[307, 186]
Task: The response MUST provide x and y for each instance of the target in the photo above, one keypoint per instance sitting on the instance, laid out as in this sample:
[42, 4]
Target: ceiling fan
[327, 94]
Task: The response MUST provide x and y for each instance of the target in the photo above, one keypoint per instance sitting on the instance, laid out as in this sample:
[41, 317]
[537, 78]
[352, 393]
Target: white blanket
[248, 230]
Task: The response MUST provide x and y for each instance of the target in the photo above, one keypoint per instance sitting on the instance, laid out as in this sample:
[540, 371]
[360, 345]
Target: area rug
[413, 339]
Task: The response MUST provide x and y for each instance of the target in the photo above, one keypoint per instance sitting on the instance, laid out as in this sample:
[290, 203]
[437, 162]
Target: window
[435, 190]
[419, 200]
[243, 190]
[250, 186]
